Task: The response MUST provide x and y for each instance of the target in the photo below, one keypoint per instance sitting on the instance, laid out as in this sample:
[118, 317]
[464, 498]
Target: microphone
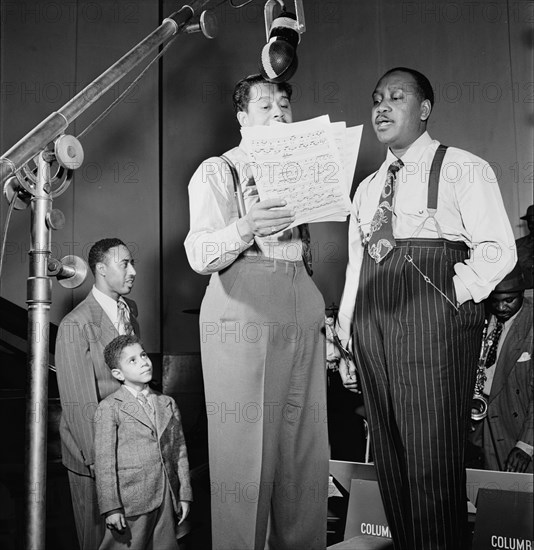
[70, 271]
[279, 56]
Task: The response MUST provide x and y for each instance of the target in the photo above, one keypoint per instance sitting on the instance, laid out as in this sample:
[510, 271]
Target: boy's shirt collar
[135, 393]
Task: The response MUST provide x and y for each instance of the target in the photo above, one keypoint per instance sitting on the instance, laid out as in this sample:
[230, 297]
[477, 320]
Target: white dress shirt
[213, 241]
[109, 305]
[470, 210]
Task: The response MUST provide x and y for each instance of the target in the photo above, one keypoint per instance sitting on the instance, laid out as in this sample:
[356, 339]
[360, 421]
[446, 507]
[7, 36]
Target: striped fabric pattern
[417, 354]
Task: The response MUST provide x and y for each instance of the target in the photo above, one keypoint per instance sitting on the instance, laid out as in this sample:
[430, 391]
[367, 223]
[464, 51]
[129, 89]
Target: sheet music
[349, 141]
[310, 164]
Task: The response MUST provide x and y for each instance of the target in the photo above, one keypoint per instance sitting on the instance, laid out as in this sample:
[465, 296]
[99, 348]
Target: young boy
[141, 466]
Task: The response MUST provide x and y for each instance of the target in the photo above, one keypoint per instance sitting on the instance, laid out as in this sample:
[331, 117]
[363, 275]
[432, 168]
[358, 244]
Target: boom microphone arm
[46, 145]
[56, 123]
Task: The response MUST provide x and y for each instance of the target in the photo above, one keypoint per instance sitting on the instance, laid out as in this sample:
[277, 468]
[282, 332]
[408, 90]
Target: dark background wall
[138, 161]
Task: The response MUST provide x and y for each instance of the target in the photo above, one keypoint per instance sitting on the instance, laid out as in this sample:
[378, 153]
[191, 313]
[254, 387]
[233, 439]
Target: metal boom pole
[36, 145]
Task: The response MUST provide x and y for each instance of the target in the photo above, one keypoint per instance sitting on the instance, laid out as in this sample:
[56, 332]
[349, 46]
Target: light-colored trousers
[152, 531]
[263, 358]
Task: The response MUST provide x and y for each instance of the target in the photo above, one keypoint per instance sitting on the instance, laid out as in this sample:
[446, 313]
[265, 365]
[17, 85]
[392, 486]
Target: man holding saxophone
[504, 429]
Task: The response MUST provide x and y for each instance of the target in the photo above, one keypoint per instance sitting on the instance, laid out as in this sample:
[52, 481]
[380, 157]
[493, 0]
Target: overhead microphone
[279, 56]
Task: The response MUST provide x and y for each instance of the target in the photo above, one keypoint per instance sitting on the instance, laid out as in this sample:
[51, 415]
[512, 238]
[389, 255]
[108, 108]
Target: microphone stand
[45, 144]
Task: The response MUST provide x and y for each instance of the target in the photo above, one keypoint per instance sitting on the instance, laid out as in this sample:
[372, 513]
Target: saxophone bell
[479, 403]
[479, 407]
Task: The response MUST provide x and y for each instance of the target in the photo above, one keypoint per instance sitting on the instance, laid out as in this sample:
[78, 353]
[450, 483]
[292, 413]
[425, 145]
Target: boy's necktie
[142, 398]
[381, 241]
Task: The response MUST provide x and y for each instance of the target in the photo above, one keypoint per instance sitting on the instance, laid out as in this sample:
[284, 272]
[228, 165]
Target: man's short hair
[423, 88]
[241, 96]
[112, 352]
[99, 250]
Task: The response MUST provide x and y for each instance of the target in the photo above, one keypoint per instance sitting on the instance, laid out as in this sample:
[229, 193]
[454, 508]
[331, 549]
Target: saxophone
[479, 403]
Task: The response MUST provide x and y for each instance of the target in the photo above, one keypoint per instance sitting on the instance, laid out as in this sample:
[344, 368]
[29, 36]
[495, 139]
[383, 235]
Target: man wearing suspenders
[262, 347]
[430, 241]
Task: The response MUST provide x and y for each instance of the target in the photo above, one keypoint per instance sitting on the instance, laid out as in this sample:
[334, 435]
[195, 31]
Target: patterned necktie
[492, 353]
[123, 319]
[142, 398]
[381, 241]
[306, 247]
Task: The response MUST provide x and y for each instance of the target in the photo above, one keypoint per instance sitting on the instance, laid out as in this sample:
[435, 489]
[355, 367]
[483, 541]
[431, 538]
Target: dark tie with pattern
[381, 241]
[306, 247]
[494, 336]
[123, 318]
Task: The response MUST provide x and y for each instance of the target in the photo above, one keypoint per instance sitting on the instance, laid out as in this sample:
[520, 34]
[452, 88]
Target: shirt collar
[415, 151]
[242, 151]
[135, 393]
[103, 299]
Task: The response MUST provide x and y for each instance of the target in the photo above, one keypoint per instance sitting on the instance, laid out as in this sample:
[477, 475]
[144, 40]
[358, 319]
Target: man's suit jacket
[134, 460]
[83, 377]
[510, 406]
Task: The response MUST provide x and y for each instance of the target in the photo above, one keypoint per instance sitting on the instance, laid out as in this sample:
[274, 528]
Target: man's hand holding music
[265, 218]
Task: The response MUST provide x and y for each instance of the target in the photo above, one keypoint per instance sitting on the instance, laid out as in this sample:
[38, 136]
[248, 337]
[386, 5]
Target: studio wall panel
[37, 77]
[56, 49]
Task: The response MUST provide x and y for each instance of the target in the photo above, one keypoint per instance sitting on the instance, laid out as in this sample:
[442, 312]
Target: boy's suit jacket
[83, 377]
[133, 458]
[510, 408]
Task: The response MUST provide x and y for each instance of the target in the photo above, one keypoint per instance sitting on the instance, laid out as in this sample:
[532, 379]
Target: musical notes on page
[310, 164]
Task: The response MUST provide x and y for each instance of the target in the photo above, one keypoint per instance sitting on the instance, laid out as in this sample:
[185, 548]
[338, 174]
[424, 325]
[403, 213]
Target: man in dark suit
[506, 433]
[83, 377]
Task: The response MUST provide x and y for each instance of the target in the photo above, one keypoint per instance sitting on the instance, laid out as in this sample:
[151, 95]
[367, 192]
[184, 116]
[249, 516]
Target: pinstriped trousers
[263, 362]
[417, 356]
[90, 525]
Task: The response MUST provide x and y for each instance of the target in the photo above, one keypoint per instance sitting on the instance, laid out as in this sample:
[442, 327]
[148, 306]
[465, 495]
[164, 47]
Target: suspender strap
[432, 192]
[433, 178]
[241, 211]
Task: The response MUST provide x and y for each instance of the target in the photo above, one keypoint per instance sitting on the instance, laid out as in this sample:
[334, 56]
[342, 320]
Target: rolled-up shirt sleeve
[493, 251]
[213, 241]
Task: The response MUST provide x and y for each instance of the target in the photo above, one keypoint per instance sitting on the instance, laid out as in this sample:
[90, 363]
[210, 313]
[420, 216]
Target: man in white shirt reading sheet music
[424, 251]
[262, 345]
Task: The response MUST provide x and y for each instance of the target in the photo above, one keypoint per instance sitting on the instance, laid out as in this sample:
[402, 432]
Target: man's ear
[117, 373]
[101, 268]
[242, 118]
[426, 109]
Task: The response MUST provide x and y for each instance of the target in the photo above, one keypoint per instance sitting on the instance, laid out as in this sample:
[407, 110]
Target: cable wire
[4, 232]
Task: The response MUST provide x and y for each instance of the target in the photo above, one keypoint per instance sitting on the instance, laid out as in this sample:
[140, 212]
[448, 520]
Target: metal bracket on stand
[37, 188]
[34, 171]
